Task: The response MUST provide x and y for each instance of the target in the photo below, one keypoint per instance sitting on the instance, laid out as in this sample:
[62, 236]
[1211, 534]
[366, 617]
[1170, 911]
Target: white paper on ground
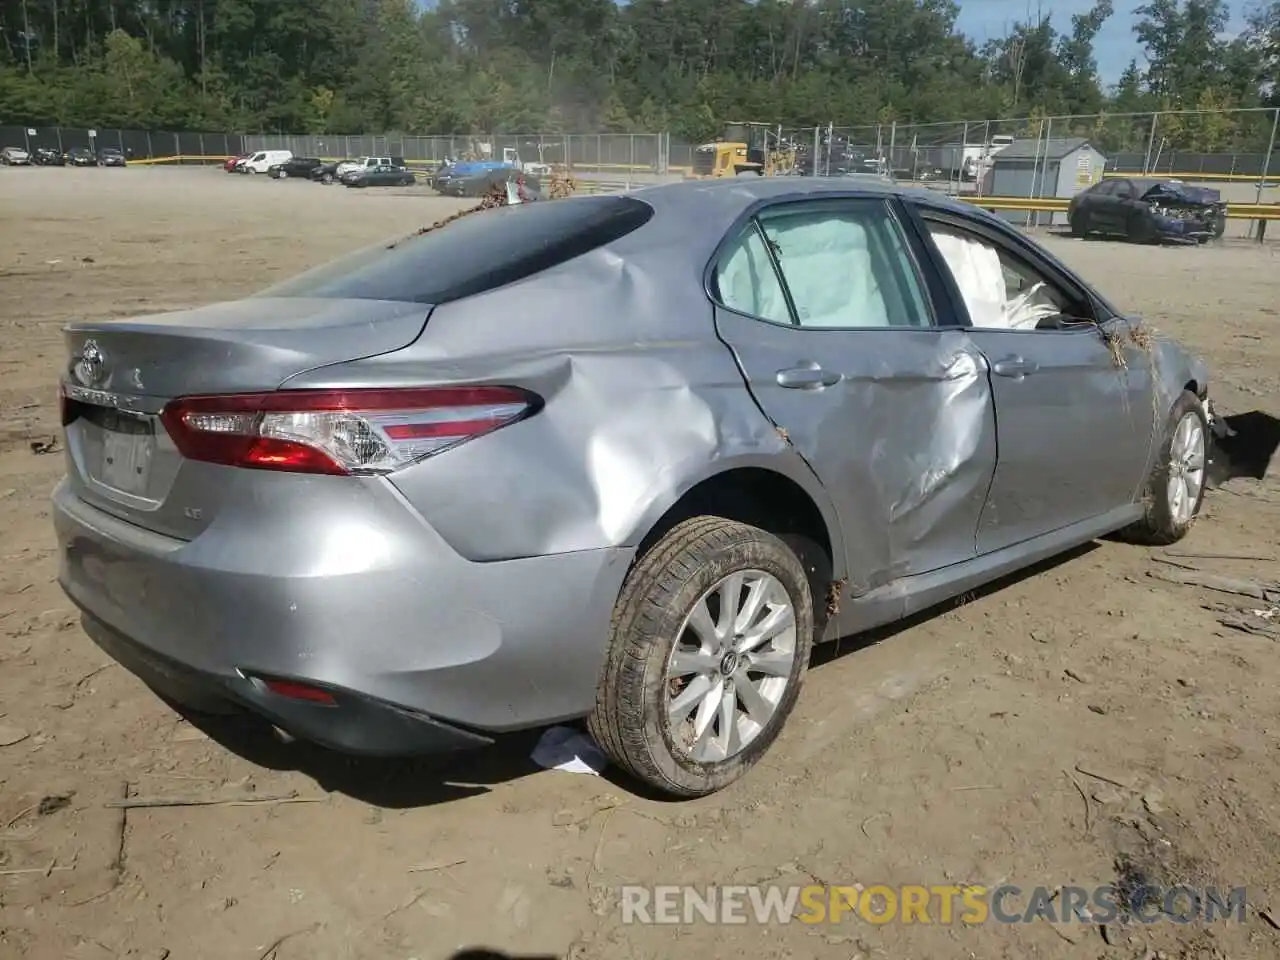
[563, 748]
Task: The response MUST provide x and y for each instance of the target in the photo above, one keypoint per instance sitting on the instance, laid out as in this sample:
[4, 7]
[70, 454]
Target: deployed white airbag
[980, 276]
[828, 266]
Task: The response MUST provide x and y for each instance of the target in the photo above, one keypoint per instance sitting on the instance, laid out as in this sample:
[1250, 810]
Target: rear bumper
[354, 723]
[348, 588]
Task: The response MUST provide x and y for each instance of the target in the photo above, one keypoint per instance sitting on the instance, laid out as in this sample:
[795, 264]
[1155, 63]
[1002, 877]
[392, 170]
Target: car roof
[701, 211]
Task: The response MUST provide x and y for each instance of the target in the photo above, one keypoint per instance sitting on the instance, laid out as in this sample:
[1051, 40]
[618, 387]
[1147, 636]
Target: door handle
[807, 376]
[1017, 367]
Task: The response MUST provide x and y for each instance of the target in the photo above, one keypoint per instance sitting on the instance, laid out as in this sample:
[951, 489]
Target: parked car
[1147, 210]
[233, 163]
[326, 173]
[264, 160]
[477, 179]
[366, 163]
[48, 157]
[382, 176]
[81, 157]
[299, 167]
[111, 157]
[15, 157]
[422, 497]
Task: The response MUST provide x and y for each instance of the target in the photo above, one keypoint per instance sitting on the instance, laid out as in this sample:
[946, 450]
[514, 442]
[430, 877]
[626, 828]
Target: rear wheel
[1175, 488]
[1079, 224]
[710, 643]
[326, 178]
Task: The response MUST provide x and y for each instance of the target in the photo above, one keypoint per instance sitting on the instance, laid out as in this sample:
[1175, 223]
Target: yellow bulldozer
[754, 149]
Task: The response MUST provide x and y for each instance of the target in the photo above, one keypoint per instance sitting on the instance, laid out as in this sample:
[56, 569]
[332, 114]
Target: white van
[264, 160]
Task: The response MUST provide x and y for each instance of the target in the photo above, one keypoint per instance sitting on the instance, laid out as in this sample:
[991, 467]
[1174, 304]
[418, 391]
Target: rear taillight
[339, 431]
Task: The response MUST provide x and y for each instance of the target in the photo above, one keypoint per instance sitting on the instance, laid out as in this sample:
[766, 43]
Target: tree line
[682, 66]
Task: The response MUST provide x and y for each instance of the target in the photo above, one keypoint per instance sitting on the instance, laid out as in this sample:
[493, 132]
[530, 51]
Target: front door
[1075, 413]
[893, 414]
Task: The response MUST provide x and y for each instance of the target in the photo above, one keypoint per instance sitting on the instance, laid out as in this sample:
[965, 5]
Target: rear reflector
[299, 691]
[339, 432]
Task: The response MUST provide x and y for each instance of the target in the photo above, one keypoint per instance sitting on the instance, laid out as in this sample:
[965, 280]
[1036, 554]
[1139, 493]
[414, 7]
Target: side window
[845, 264]
[259, 157]
[1123, 189]
[1000, 291]
[1105, 189]
[746, 281]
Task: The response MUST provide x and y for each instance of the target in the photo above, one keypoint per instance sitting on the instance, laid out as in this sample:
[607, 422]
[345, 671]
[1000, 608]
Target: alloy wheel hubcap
[1186, 468]
[730, 665]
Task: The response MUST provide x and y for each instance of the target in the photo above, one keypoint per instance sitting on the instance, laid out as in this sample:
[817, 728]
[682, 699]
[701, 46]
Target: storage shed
[1043, 168]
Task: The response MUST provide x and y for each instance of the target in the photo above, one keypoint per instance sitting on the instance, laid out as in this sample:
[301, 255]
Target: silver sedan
[622, 459]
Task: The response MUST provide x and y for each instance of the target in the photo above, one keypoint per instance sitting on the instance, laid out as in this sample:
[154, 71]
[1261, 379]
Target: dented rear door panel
[904, 442]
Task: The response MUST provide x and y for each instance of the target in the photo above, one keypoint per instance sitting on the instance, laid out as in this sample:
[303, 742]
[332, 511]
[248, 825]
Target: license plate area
[128, 449]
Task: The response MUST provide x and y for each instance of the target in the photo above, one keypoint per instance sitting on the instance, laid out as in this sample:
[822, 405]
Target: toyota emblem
[91, 365]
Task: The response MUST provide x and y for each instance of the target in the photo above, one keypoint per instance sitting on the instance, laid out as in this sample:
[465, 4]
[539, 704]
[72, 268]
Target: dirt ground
[1078, 725]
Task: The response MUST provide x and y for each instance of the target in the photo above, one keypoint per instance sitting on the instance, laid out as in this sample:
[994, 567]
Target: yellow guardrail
[1271, 179]
[1235, 211]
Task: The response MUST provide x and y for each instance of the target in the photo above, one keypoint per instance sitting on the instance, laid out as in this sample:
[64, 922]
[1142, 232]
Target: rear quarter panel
[642, 402]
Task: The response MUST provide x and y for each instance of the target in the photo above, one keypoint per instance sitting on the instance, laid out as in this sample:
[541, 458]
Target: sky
[1116, 45]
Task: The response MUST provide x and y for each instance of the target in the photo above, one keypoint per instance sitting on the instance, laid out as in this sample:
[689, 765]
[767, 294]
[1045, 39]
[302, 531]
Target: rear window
[475, 253]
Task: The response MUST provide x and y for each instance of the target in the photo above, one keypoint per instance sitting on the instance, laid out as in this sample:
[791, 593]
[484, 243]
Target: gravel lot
[947, 751]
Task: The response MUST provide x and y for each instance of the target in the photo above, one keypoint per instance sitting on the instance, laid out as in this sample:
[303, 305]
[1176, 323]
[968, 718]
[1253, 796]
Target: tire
[684, 571]
[1219, 226]
[326, 178]
[250, 170]
[1167, 520]
[1079, 225]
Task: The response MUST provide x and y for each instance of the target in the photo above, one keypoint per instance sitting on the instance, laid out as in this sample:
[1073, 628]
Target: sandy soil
[949, 750]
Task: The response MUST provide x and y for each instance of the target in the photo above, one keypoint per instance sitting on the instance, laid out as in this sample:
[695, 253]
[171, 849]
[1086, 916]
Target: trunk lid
[121, 373]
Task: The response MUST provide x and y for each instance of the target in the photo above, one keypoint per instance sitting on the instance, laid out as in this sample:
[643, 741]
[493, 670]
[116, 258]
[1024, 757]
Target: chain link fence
[1210, 144]
[598, 152]
[1235, 145]
[620, 153]
[135, 144]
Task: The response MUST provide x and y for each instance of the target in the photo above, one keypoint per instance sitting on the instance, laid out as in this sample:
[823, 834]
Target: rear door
[826, 311]
[1113, 209]
[1075, 419]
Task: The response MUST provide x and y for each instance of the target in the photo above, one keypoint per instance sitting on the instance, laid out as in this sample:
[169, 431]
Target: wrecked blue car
[1145, 210]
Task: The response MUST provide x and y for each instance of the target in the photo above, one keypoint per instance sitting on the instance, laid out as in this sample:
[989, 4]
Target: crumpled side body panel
[641, 403]
[905, 443]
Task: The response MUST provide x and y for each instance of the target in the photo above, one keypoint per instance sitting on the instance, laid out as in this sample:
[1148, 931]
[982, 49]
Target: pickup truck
[366, 163]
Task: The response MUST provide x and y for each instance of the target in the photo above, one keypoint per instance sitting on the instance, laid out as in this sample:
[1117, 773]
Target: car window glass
[1122, 189]
[746, 281]
[1105, 188]
[260, 156]
[474, 253]
[845, 265]
[1000, 291]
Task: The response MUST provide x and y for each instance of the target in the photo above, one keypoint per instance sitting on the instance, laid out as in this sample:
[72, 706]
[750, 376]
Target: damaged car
[1145, 210]
[618, 458]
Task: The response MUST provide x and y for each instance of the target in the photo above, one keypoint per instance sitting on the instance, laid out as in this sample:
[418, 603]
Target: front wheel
[710, 642]
[1079, 224]
[1175, 488]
